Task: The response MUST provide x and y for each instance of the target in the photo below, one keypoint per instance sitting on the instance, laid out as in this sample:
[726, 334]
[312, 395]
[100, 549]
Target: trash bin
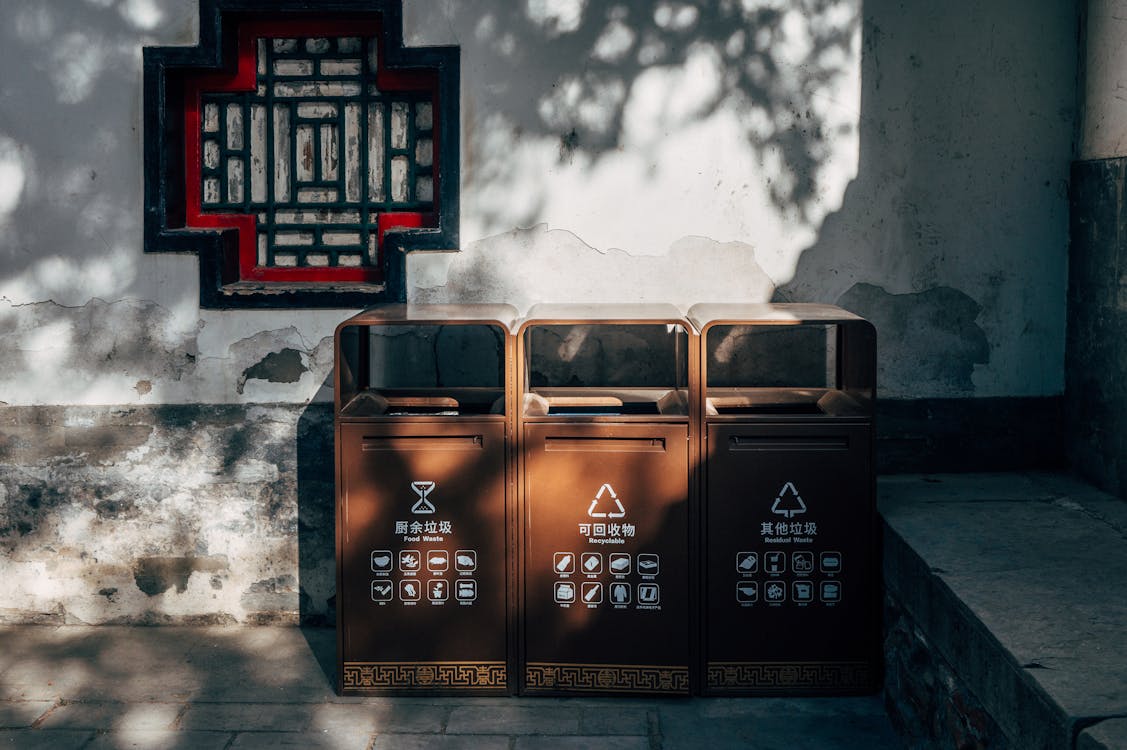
[423, 415]
[787, 502]
[607, 442]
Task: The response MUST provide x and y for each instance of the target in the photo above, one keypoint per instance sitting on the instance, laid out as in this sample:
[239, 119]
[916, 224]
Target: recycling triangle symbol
[606, 489]
[788, 503]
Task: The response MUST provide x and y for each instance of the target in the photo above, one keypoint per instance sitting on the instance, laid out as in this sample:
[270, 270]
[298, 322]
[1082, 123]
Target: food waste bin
[607, 449]
[788, 512]
[423, 475]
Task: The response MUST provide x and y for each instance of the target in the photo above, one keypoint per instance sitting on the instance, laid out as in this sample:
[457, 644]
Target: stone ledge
[1107, 735]
[1017, 582]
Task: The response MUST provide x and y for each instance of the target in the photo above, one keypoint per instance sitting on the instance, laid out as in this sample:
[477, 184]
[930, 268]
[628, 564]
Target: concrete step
[1006, 618]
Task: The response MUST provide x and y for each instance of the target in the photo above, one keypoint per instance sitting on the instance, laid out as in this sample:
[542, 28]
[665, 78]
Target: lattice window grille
[323, 158]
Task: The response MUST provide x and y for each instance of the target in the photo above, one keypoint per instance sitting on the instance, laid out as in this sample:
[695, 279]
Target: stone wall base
[928, 704]
[167, 514]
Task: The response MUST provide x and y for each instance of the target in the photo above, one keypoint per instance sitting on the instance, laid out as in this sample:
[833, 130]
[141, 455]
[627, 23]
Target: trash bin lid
[441, 314]
[711, 313]
[552, 313]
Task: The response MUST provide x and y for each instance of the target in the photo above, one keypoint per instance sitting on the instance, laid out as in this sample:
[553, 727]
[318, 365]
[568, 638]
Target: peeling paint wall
[159, 462]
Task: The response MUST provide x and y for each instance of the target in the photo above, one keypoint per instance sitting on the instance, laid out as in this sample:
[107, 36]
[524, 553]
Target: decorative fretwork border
[790, 677]
[167, 72]
[360, 677]
[547, 677]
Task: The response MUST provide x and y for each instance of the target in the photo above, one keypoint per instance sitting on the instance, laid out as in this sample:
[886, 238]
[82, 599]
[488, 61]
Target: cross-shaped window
[316, 139]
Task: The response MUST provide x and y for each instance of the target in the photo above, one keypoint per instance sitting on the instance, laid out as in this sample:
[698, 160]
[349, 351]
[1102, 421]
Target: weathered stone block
[1107, 735]
[1010, 594]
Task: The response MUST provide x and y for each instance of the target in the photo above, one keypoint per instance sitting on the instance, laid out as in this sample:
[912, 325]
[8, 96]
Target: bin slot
[605, 444]
[422, 443]
[424, 402]
[766, 401]
[784, 443]
[603, 411]
[587, 401]
[430, 405]
[619, 402]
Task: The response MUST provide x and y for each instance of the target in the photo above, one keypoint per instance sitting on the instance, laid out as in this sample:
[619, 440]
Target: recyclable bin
[423, 480]
[788, 514]
[607, 443]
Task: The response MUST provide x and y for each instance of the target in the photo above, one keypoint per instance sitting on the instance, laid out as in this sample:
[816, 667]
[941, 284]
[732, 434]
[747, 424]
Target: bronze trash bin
[607, 441]
[423, 409]
[791, 591]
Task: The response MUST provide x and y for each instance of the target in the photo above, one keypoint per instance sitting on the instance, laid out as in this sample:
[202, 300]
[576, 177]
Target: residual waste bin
[423, 475]
[607, 446]
[787, 500]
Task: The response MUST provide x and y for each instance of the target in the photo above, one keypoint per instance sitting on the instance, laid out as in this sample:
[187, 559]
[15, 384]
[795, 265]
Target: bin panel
[791, 573]
[422, 509]
[606, 583]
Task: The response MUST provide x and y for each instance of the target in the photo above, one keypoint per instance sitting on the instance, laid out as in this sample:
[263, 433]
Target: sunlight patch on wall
[60, 277]
[78, 63]
[556, 17]
[13, 176]
[144, 14]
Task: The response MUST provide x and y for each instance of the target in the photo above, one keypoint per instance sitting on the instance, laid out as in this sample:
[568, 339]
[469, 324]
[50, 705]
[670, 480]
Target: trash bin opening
[429, 370]
[772, 369]
[606, 369]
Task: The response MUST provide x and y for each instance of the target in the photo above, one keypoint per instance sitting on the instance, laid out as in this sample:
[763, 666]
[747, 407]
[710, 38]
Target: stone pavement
[247, 687]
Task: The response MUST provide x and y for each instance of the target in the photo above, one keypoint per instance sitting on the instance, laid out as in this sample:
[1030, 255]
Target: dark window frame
[224, 284]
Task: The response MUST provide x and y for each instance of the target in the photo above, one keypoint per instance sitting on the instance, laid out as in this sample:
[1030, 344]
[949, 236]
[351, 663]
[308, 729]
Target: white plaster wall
[1103, 132]
[966, 141]
[663, 154]
[666, 194]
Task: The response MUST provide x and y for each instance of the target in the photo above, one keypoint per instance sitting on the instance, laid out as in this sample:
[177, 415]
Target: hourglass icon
[422, 489]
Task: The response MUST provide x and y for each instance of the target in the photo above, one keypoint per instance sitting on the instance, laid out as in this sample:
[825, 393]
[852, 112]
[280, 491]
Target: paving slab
[41, 639]
[582, 742]
[598, 720]
[385, 716]
[126, 717]
[38, 739]
[343, 740]
[234, 716]
[522, 718]
[20, 714]
[101, 663]
[153, 739]
[408, 718]
[1023, 594]
[441, 742]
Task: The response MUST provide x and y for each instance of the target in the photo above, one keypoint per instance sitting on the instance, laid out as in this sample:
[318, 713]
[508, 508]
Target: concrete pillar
[1103, 97]
[1096, 346]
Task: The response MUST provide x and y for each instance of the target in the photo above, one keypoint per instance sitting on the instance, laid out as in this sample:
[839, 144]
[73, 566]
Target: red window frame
[244, 79]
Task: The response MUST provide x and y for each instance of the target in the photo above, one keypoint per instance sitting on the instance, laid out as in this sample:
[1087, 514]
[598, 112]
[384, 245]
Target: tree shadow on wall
[70, 146]
[578, 71]
[964, 141]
